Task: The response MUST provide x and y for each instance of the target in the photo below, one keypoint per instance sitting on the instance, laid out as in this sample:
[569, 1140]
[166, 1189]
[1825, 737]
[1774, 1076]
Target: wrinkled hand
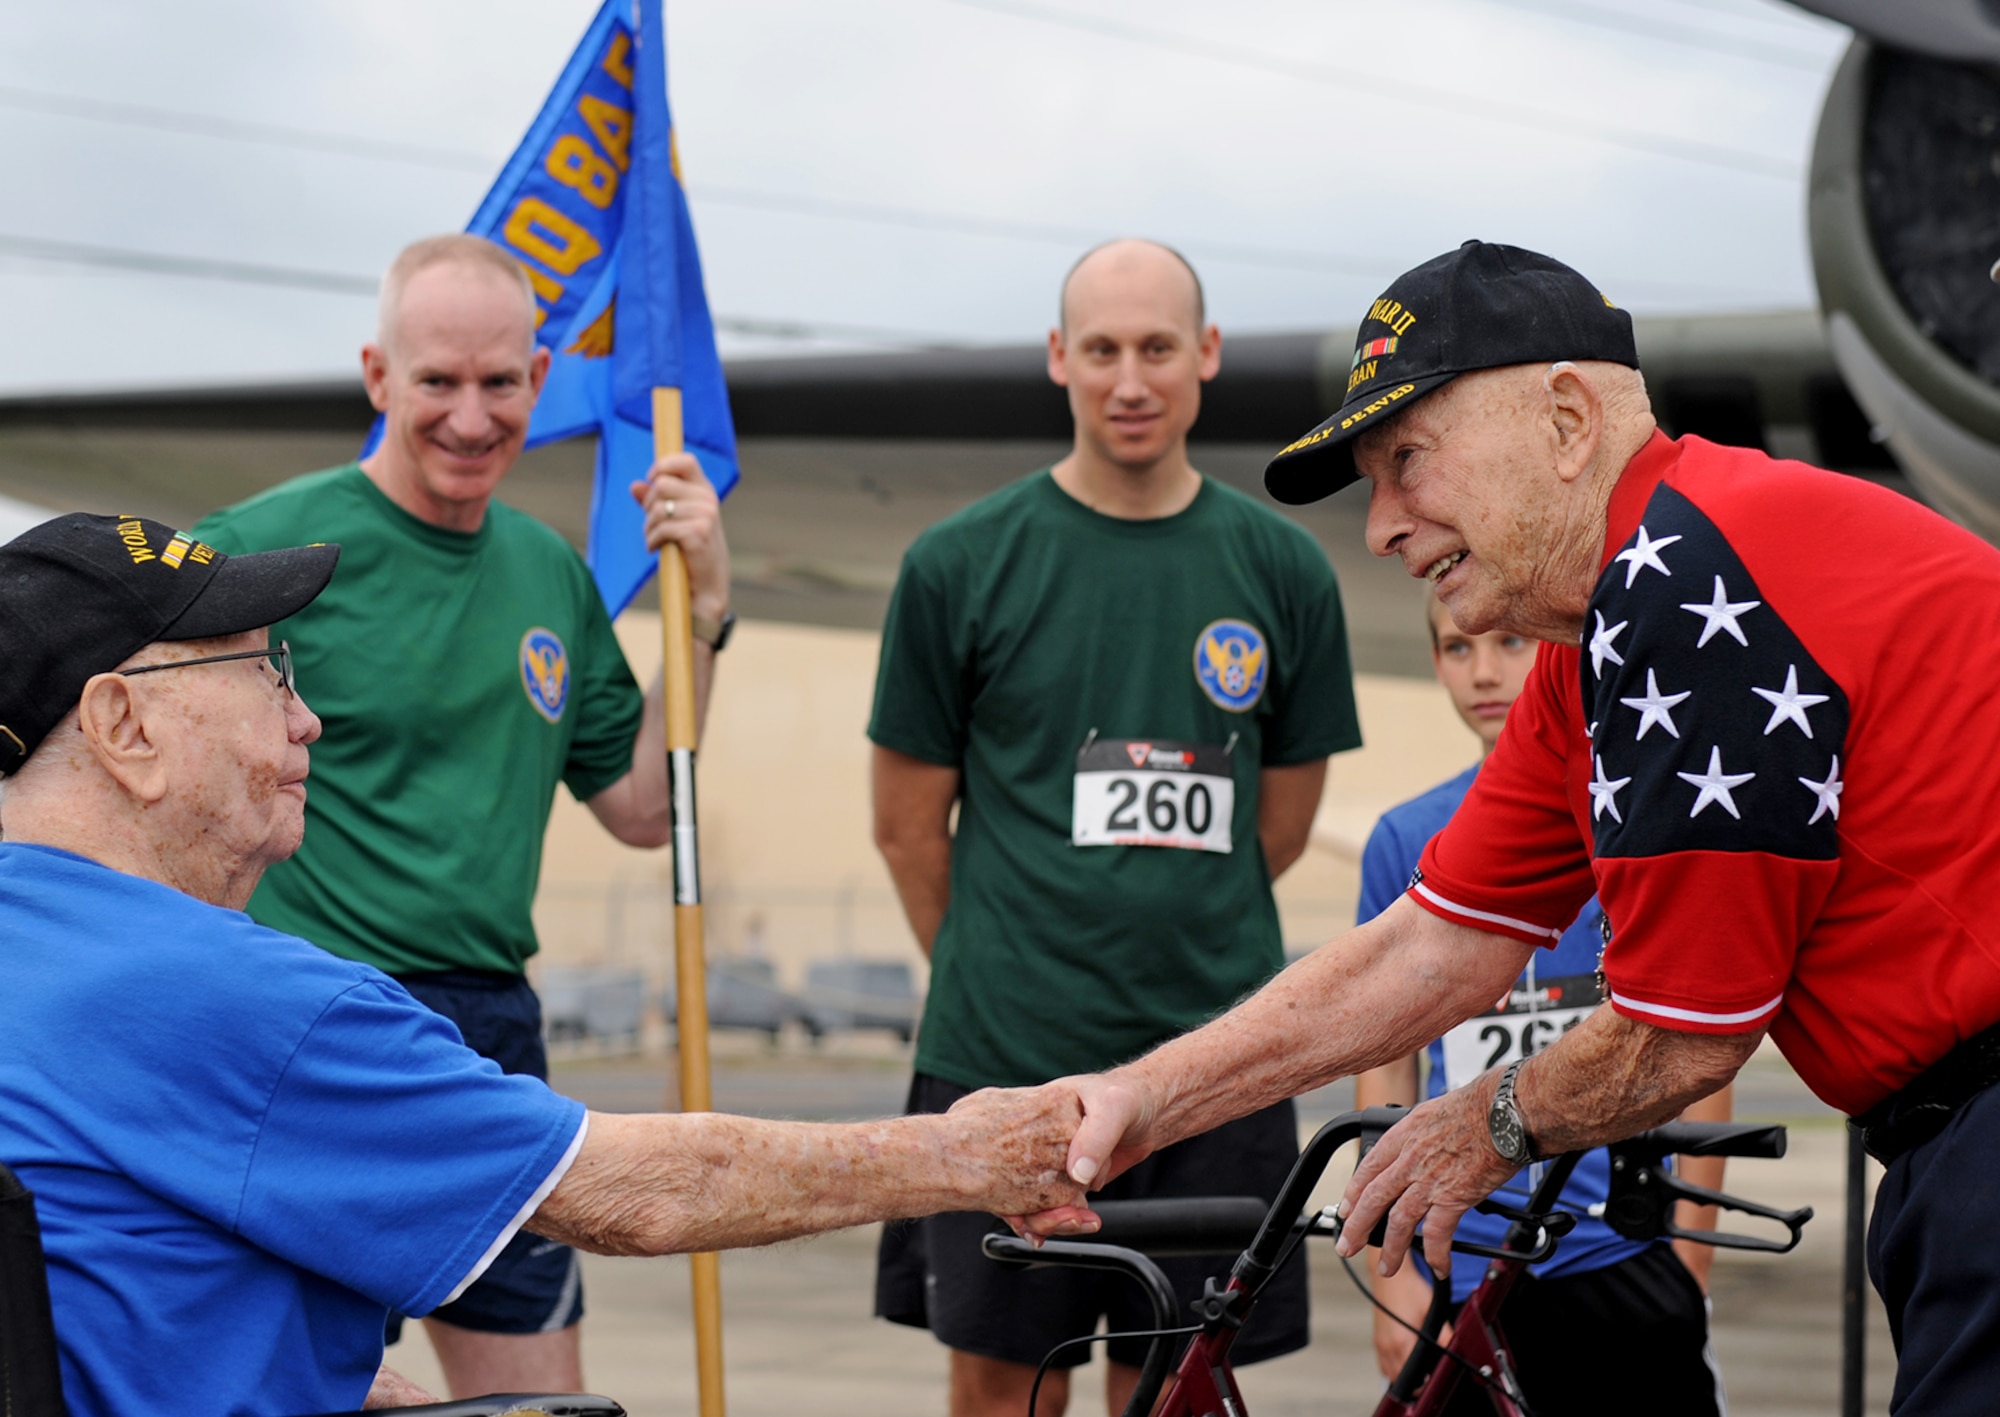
[392, 1389]
[1010, 1147]
[682, 508]
[1109, 1139]
[1431, 1167]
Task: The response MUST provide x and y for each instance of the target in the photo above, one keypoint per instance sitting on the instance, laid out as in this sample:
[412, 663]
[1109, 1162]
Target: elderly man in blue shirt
[245, 1150]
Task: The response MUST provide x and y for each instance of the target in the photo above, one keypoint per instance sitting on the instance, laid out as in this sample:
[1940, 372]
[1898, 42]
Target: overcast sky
[875, 170]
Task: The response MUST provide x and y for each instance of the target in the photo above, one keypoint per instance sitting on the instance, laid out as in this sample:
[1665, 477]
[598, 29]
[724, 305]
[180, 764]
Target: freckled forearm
[708, 1181]
[1376, 994]
[1612, 1076]
[667, 1184]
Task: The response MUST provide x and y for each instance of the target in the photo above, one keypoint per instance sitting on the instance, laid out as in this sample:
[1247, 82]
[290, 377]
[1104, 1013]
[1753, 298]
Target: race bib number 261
[1152, 793]
[1526, 1021]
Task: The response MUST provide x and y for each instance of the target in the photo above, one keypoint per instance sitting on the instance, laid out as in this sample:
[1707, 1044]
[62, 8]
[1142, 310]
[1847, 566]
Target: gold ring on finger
[668, 506]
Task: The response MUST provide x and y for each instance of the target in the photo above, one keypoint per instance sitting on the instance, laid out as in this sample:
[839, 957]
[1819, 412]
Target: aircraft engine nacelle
[1904, 223]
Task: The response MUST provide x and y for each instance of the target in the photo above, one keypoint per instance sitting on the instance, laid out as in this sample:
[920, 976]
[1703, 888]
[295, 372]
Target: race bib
[1152, 793]
[1526, 1021]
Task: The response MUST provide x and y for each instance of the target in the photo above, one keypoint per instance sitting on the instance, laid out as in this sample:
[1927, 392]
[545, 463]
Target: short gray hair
[455, 248]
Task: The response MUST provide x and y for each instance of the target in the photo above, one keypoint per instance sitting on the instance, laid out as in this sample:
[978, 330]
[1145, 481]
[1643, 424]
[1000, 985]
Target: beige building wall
[789, 867]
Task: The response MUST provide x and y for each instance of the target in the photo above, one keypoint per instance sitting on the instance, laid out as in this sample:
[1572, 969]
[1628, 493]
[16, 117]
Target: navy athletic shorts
[931, 1274]
[534, 1285]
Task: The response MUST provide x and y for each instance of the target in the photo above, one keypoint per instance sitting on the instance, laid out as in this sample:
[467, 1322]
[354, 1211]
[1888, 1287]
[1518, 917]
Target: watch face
[1510, 1138]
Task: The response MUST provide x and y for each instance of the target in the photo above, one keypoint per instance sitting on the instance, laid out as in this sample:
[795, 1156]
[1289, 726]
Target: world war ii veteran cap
[1479, 307]
[79, 595]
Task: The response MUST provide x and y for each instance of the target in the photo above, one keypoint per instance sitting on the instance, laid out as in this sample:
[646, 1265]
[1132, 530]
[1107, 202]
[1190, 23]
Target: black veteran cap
[81, 594]
[1479, 307]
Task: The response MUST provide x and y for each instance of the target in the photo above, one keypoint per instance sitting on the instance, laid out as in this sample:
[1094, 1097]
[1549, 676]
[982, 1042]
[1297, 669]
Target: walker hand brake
[1641, 1207]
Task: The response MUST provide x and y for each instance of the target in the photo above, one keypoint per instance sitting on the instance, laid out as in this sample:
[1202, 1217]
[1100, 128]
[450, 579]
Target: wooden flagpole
[690, 968]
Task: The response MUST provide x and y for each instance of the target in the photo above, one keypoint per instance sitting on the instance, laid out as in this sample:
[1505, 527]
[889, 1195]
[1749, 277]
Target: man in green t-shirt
[1128, 678]
[463, 665]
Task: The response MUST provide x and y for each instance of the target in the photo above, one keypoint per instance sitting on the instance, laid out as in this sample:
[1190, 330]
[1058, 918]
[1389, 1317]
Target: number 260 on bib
[1152, 793]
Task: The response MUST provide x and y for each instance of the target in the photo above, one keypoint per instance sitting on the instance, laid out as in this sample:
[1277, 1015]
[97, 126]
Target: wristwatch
[1504, 1123]
[714, 633]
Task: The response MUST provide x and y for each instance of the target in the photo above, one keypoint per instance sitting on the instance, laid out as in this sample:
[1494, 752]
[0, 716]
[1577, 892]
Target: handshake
[1033, 1155]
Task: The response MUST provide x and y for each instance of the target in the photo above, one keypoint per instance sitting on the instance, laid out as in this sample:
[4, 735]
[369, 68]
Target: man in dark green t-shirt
[463, 666]
[1128, 678]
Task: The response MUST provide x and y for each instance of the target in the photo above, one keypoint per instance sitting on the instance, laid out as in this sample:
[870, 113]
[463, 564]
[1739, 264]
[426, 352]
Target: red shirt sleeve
[1703, 941]
[1512, 860]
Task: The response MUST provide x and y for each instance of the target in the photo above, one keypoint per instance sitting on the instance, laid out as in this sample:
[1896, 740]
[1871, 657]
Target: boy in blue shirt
[1603, 1306]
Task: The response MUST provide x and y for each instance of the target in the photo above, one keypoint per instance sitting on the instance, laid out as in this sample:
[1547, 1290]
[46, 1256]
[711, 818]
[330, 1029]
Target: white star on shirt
[1789, 702]
[1828, 793]
[1715, 785]
[1656, 707]
[1600, 644]
[1604, 794]
[1643, 553]
[1721, 614]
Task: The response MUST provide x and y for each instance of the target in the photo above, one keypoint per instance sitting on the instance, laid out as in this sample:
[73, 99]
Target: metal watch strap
[1503, 1096]
[714, 633]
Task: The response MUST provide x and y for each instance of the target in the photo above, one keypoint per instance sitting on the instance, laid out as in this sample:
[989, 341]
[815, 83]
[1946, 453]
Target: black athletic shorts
[931, 1274]
[533, 1285]
[1631, 1338]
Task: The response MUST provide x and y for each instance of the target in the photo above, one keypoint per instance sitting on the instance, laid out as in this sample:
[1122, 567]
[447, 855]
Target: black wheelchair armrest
[504, 1404]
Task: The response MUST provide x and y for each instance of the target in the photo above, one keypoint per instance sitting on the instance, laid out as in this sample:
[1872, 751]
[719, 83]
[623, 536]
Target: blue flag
[592, 207]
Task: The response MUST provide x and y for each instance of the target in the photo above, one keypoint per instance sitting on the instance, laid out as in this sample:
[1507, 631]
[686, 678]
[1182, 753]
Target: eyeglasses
[280, 657]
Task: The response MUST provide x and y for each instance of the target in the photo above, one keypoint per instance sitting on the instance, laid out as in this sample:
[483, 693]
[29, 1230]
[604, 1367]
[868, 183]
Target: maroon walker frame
[1204, 1384]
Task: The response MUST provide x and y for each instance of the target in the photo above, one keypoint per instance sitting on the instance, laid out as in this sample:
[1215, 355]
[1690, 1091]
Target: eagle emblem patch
[545, 672]
[1231, 665]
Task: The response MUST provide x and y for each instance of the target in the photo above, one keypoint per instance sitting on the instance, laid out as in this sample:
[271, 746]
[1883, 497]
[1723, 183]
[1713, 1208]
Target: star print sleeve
[1716, 745]
[1511, 860]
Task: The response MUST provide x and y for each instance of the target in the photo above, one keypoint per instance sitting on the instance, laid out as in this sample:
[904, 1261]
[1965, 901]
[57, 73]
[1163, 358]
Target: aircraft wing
[847, 457]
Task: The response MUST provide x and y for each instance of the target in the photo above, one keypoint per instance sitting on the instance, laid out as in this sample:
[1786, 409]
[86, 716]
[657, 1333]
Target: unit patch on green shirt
[1110, 691]
[460, 677]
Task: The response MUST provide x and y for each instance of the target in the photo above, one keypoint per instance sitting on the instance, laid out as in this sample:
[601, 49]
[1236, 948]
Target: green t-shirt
[1030, 637]
[459, 676]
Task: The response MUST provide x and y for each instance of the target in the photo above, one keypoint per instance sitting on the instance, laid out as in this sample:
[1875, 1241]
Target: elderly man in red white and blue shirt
[1761, 731]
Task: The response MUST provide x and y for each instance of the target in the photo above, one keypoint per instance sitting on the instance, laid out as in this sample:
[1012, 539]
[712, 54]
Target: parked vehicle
[845, 994]
[743, 993]
[591, 1001]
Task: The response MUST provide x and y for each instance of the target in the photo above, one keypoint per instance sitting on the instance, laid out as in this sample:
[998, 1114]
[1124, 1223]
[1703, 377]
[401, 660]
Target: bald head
[1129, 268]
[467, 257]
